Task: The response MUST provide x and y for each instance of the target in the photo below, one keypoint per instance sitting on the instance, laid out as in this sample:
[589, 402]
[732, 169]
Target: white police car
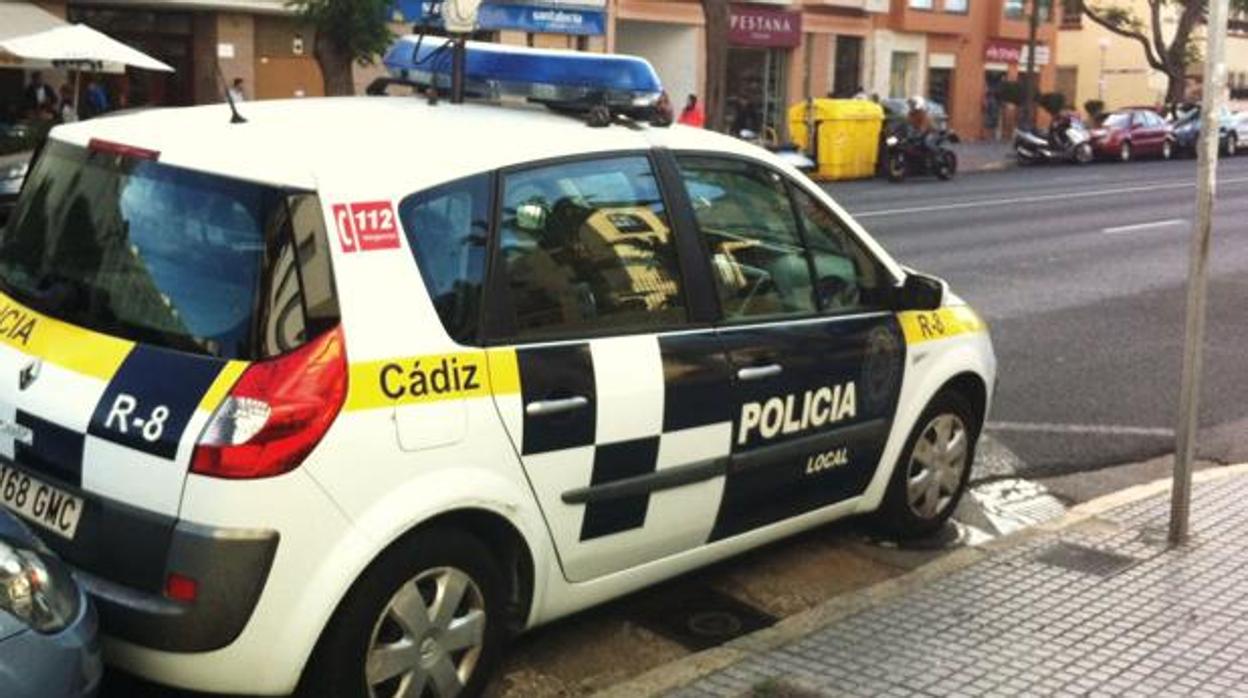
[345, 395]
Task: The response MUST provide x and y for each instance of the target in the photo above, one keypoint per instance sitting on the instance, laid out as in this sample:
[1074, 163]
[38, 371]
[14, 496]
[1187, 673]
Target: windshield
[159, 254]
[1118, 120]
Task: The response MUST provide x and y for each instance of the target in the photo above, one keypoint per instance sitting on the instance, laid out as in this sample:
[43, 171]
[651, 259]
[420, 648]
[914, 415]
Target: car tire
[1232, 146]
[397, 610]
[1124, 152]
[928, 482]
[896, 167]
[1167, 149]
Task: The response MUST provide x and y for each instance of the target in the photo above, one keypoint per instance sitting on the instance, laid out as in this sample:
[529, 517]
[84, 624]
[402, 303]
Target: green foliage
[1010, 92]
[357, 28]
[1053, 102]
[1094, 108]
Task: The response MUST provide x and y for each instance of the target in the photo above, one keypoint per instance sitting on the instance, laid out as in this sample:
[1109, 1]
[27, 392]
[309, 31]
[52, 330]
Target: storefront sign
[538, 16]
[762, 26]
[1014, 52]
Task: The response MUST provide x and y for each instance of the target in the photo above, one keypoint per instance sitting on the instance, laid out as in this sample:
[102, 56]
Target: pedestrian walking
[235, 91]
[692, 114]
[95, 102]
[40, 97]
[69, 104]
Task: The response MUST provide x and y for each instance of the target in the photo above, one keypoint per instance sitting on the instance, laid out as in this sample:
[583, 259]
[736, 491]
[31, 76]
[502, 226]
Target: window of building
[847, 77]
[1014, 9]
[957, 6]
[920, 4]
[747, 219]
[586, 248]
[448, 229]
[1072, 14]
[903, 75]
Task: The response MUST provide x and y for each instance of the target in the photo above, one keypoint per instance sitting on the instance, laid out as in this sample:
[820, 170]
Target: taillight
[277, 412]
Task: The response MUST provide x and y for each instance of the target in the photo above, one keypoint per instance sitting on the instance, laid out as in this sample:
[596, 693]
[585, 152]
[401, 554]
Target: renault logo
[29, 375]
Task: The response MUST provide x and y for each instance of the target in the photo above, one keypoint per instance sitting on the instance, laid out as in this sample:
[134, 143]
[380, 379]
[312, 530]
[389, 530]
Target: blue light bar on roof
[561, 79]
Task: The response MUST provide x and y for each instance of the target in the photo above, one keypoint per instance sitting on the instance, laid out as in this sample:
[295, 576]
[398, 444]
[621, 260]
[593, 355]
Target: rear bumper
[229, 566]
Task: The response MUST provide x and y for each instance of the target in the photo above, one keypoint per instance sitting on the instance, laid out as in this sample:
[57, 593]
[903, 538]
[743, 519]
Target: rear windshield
[167, 256]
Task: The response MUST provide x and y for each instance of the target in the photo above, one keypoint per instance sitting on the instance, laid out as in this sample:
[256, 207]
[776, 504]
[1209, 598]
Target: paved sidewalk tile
[1053, 616]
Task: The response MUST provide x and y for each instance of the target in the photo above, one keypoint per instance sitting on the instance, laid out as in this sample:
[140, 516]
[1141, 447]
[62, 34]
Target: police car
[344, 396]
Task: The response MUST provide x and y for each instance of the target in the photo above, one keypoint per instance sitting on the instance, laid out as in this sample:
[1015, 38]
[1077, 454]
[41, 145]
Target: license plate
[40, 503]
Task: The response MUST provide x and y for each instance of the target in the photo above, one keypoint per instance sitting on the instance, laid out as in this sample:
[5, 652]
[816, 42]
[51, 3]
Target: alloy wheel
[937, 464]
[1167, 150]
[1125, 153]
[429, 638]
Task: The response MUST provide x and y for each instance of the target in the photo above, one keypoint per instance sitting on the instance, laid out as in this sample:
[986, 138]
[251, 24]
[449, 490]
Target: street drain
[702, 618]
[1080, 558]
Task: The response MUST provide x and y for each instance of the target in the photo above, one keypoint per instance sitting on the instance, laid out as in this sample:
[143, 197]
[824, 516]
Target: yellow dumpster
[847, 141]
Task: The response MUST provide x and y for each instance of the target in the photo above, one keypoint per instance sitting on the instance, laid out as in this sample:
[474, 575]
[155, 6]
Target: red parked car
[1130, 133]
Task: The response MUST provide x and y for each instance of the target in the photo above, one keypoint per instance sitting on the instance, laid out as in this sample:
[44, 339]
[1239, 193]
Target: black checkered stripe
[623, 439]
[78, 435]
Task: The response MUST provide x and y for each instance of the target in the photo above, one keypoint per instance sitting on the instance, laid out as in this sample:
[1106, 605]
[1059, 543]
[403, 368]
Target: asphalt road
[1081, 273]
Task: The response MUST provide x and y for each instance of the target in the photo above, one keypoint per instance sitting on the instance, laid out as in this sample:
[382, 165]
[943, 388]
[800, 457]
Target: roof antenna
[236, 118]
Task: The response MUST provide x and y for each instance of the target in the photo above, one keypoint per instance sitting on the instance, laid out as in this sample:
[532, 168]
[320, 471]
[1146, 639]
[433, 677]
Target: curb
[686, 670]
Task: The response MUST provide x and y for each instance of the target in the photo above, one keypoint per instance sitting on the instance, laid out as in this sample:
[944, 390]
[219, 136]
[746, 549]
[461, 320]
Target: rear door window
[168, 256]
[586, 247]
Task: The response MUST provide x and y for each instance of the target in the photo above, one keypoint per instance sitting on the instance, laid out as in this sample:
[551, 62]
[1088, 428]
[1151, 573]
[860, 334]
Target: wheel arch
[971, 386]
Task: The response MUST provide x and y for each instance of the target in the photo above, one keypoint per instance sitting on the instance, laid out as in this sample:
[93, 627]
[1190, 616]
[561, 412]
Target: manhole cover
[1080, 558]
[701, 618]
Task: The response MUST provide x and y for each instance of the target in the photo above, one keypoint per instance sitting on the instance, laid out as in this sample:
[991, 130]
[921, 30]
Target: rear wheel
[424, 621]
[931, 475]
[947, 165]
[896, 167]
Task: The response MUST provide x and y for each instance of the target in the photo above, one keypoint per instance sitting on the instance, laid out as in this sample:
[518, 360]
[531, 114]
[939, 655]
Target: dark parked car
[1130, 133]
[1186, 124]
[48, 643]
[12, 172]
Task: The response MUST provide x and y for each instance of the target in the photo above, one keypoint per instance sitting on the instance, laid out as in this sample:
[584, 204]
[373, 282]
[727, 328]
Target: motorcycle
[907, 154]
[1067, 141]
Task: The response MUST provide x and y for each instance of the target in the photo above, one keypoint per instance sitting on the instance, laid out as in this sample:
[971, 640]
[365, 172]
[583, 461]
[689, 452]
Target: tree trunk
[1176, 87]
[336, 69]
[716, 12]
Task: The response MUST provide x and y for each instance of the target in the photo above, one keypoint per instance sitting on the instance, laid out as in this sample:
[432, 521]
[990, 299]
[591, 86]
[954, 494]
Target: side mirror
[920, 292]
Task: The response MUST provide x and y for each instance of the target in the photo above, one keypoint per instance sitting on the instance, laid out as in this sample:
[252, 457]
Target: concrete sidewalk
[1093, 604]
[985, 156]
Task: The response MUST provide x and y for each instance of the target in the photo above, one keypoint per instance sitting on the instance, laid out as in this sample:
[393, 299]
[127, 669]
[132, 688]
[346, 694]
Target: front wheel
[947, 165]
[1125, 153]
[1083, 154]
[1167, 150]
[931, 475]
[1232, 146]
[425, 620]
[896, 167]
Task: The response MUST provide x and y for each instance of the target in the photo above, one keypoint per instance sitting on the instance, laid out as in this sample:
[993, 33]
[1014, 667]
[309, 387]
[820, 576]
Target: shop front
[761, 44]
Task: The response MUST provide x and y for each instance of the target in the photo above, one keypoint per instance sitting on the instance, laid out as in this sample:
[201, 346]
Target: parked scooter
[907, 154]
[1068, 140]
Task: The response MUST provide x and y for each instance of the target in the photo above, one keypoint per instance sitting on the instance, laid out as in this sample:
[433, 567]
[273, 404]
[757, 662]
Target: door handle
[754, 373]
[543, 408]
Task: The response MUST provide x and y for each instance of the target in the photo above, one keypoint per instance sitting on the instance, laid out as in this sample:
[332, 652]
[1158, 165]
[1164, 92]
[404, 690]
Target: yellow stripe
[222, 385]
[927, 325]
[60, 343]
[434, 378]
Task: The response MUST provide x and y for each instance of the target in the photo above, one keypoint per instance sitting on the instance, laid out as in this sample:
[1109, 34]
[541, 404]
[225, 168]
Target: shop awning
[22, 18]
[78, 46]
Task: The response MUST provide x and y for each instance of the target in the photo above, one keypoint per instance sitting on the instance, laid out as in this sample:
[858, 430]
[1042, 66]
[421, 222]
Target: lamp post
[1100, 77]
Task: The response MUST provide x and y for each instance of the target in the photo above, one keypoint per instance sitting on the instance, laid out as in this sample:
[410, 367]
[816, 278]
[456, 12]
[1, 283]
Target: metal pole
[1206, 187]
[459, 55]
[1031, 85]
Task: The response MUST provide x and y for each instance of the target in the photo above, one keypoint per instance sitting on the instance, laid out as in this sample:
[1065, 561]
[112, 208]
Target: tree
[1170, 57]
[347, 32]
[716, 101]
